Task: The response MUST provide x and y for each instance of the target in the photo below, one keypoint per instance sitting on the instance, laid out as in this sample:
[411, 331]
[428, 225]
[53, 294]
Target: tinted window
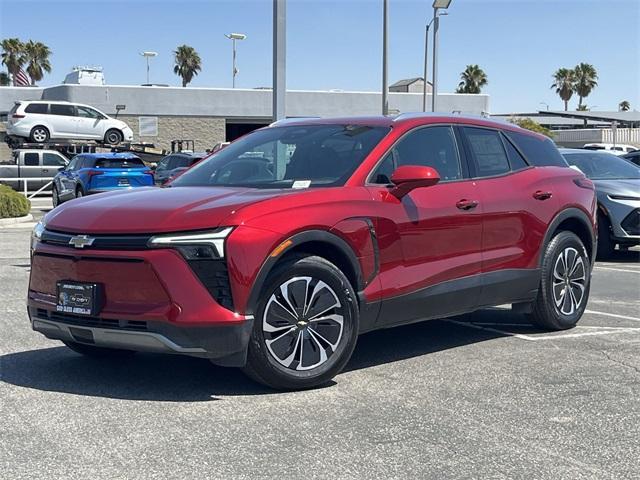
[488, 151]
[603, 166]
[295, 156]
[430, 147]
[515, 159]
[52, 160]
[133, 162]
[540, 152]
[87, 112]
[14, 109]
[58, 109]
[73, 164]
[31, 159]
[36, 108]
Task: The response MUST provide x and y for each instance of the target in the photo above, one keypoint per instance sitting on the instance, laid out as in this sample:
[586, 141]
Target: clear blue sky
[338, 44]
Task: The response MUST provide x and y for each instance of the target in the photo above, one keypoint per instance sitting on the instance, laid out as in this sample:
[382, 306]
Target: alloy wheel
[569, 281]
[39, 135]
[303, 323]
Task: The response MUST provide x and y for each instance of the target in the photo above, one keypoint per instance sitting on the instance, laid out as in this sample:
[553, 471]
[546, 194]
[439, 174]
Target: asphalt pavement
[483, 395]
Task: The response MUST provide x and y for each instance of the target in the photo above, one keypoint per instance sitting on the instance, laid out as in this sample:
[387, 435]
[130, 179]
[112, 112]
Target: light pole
[148, 55]
[545, 104]
[437, 5]
[426, 57]
[279, 59]
[233, 37]
[385, 48]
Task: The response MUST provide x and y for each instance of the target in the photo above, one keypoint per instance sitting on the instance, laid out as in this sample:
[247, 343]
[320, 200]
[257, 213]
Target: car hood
[629, 187]
[151, 210]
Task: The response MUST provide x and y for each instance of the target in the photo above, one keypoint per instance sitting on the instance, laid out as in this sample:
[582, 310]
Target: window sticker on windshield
[301, 184]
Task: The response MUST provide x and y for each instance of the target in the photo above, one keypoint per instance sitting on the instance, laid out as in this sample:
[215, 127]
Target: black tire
[79, 192]
[39, 134]
[606, 246]
[326, 286]
[546, 311]
[93, 351]
[55, 197]
[113, 137]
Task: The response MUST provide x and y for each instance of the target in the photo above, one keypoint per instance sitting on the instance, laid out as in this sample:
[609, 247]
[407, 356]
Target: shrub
[12, 203]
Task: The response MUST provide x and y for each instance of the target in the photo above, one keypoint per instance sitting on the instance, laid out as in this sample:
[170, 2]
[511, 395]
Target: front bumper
[223, 344]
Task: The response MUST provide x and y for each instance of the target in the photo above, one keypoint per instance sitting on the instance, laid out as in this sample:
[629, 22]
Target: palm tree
[472, 79]
[12, 55]
[563, 81]
[37, 60]
[586, 79]
[624, 106]
[188, 63]
[4, 79]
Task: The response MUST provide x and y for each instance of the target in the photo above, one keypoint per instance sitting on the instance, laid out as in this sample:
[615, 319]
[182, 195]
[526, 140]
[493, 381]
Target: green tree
[582, 108]
[4, 79]
[532, 125]
[563, 81]
[624, 106]
[12, 55]
[472, 79]
[188, 63]
[586, 79]
[37, 59]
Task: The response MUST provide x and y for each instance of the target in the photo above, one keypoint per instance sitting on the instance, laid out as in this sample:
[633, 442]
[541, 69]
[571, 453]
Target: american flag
[21, 79]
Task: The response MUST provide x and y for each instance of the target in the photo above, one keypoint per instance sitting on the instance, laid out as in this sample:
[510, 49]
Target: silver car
[617, 184]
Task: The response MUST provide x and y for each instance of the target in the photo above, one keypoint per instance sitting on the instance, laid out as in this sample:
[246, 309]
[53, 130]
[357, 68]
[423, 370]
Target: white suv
[41, 121]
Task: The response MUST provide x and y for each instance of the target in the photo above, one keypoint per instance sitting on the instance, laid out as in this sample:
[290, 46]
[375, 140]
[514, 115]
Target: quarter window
[36, 108]
[487, 149]
[66, 110]
[540, 152]
[516, 160]
[430, 147]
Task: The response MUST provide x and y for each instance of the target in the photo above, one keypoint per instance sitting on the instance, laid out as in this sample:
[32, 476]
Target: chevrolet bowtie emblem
[81, 241]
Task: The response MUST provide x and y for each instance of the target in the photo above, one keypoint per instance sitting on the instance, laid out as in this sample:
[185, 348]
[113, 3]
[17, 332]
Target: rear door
[62, 120]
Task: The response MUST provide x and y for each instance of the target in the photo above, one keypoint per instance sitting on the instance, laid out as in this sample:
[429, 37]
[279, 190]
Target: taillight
[93, 173]
[17, 115]
[584, 182]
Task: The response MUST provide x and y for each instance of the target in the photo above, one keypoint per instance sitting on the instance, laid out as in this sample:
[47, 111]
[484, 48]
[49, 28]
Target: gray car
[617, 184]
[173, 164]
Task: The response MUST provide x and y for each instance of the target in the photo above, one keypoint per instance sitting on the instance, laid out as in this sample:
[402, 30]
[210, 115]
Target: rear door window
[488, 151]
[61, 109]
[36, 108]
[540, 152]
[31, 159]
[133, 162]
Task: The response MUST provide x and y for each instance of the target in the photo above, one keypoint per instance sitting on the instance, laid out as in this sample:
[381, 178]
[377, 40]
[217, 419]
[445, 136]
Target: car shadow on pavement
[624, 256]
[172, 378]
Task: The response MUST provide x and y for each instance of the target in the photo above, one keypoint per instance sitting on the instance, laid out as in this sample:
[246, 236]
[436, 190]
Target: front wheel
[55, 197]
[306, 325]
[564, 285]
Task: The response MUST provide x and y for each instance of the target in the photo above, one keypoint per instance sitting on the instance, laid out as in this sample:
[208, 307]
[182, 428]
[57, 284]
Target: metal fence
[25, 184]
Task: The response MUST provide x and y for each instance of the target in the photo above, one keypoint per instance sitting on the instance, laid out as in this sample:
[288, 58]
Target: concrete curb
[14, 220]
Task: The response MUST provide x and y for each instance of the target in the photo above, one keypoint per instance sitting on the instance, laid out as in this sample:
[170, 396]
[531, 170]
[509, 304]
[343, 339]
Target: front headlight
[196, 245]
[624, 197]
[36, 233]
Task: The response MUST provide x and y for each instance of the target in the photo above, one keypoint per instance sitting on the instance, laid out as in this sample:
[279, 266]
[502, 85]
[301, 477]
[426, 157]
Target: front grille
[81, 321]
[215, 277]
[631, 223]
[101, 242]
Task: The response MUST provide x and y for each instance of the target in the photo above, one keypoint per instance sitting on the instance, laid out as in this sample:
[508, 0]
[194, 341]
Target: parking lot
[483, 395]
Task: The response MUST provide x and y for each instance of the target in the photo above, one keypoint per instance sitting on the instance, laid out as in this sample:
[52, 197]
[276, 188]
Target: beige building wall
[204, 131]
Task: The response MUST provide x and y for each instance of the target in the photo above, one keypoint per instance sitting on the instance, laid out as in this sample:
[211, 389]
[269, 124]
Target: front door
[89, 124]
[438, 228]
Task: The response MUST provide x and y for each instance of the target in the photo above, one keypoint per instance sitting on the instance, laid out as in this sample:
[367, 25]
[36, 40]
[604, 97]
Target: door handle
[465, 204]
[540, 195]
[45, 170]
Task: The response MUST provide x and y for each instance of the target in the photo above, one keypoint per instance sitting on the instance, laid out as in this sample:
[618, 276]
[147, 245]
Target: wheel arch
[312, 242]
[576, 221]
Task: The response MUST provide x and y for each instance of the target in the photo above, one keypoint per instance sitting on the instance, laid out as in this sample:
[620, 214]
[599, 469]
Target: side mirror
[408, 177]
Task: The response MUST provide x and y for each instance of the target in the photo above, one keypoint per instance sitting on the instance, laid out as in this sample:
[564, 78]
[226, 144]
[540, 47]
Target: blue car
[89, 173]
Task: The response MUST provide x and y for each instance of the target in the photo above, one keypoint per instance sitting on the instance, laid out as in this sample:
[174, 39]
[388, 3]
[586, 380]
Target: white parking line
[614, 315]
[616, 269]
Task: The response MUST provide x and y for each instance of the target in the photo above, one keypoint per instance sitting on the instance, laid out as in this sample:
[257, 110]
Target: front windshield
[288, 157]
[603, 166]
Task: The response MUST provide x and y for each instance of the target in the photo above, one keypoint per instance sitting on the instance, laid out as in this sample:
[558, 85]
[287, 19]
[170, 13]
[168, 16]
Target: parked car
[275, 253]
[615, 149]
[633, 157]
[617, 184]
[89, 173]
[175, 163]
[41, 121]
[31, 163]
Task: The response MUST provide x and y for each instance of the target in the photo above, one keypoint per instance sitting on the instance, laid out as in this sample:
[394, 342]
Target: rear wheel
[606, 246]
[93, 351]
[39, 134]
[113, 137]
[306, 325]
[564, 285]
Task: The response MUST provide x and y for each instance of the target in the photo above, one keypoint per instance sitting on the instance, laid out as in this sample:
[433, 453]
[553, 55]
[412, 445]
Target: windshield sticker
[301, 184]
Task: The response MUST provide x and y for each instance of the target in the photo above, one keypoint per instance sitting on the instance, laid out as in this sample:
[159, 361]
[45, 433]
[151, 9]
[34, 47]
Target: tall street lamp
[437, 5]
[148, 55]
[426, 57]
[233, 37]
[385, 51]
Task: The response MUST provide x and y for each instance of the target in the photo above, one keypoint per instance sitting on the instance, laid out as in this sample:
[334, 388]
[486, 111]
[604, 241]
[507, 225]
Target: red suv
[276, 252]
